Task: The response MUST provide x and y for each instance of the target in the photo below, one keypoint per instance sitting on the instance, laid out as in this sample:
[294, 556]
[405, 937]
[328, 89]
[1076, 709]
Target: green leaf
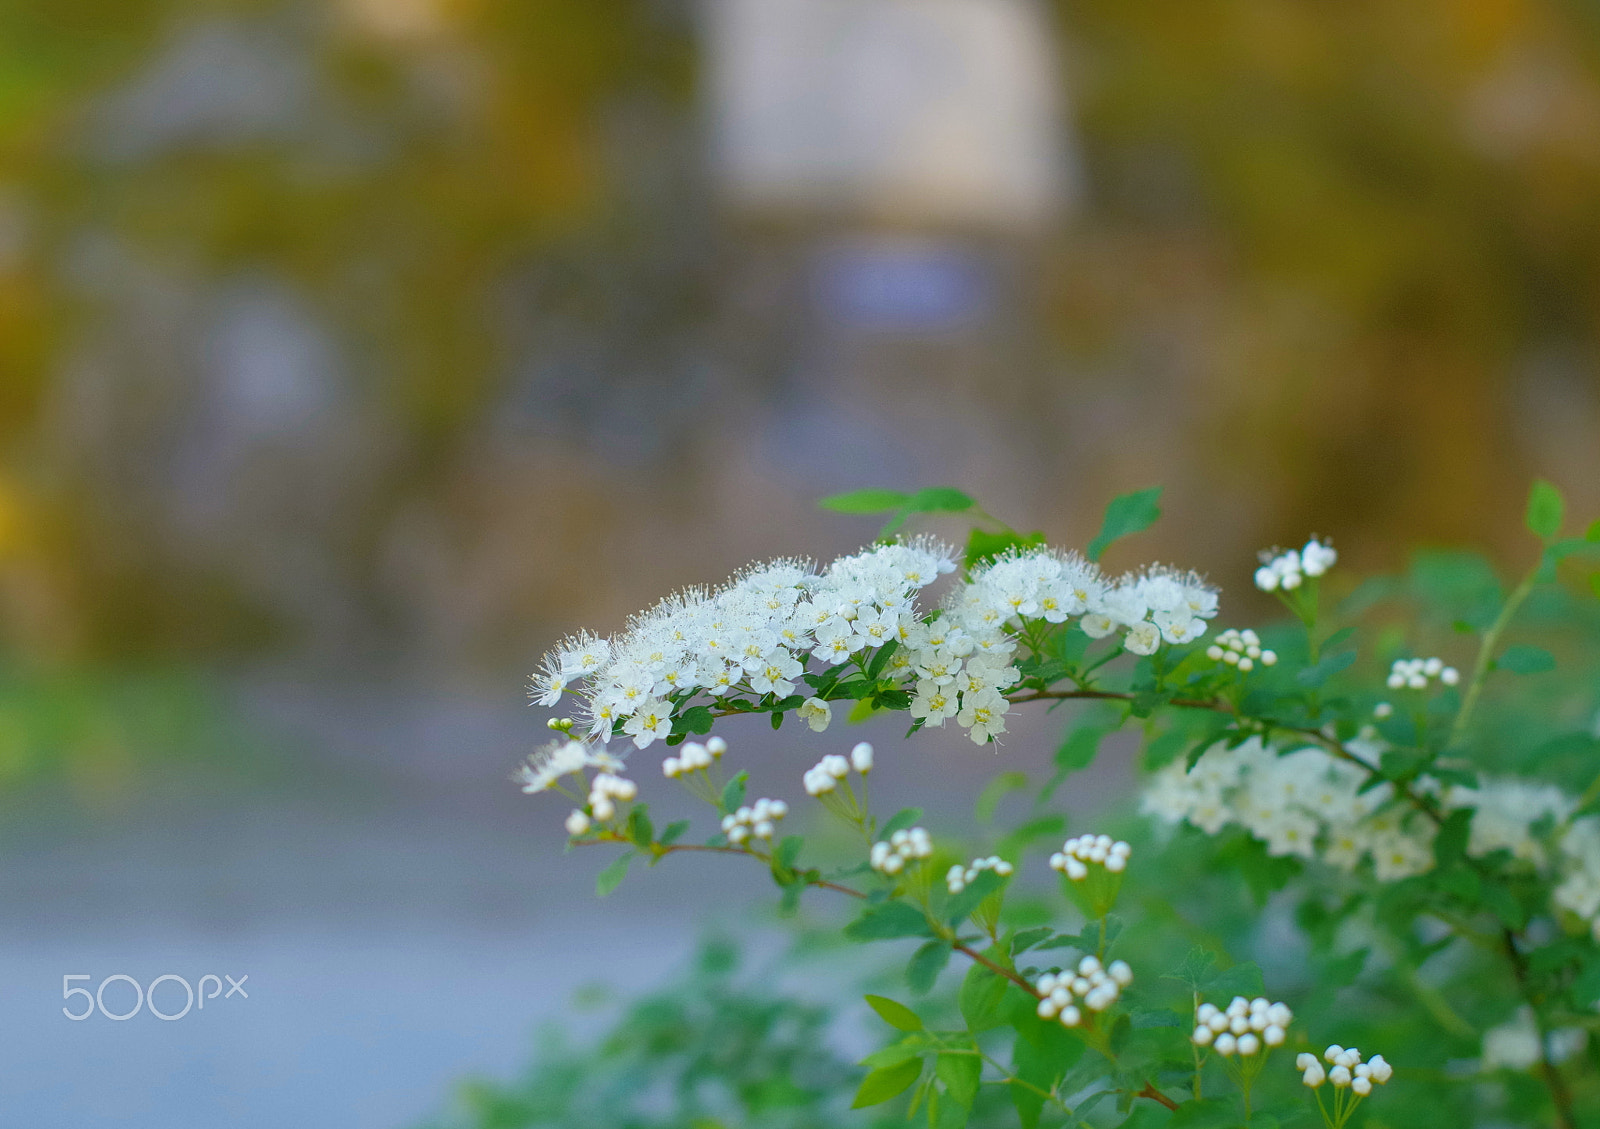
[1546, 508]
[674, 831]
[926, 964]
[1209, 1113]
[962, 904]
[1075, 753]
[733, 793]
[983, 546]
[980, 997]
[889, 1081]
[611, 877]
[1526, 660]
[695, 719]
[900, 821]
[788, 852]
[1593, 532]
[1315, 676]
[865, 502]
[935, 499]
[1148, 1115]
[891, 919]
[1195, 971]
[640, 830]
[959, 1073]
[995, 791]
[913, 1046]
[1028, 938]
[1242, 979]
[894, 1014]
[1127, 514]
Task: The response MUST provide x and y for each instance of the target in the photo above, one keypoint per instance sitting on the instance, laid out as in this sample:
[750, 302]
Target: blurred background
[351, 352]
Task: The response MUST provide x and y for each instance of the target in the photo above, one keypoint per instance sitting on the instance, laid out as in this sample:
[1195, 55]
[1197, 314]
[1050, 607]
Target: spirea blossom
[1244, 1027]
[752, 642]
[959, 877]
[1064, 996]
[754, 821]
[1344, 1069]
[891, 855]
[1241, 649]
[1414, 674]
[550, 763]
[1288, 570]
[1077, 854]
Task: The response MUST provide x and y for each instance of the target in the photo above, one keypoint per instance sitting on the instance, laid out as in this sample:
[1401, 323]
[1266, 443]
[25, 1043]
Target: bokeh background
[351, 352]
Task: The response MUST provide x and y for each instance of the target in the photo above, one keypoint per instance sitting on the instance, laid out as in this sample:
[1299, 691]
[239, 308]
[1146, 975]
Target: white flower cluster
[1241, 649]
[754, 821]
[694, 757]
[604, 793]
[958, 877]
[550, 763]
[1075, 855]
[1095, 986]
[1244, 1027]
[1288, 570]
[891, 855]
[1345, 1069]
[1297, 804]
[1413, 674]
[754, 636]
[1310, 804]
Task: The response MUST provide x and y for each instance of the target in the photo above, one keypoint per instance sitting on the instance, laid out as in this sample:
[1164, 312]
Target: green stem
[1480, 667]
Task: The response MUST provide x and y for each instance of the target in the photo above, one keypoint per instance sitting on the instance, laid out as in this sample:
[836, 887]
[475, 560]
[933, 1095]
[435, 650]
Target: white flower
[1317, 558]
[562, 758]
[816, 713]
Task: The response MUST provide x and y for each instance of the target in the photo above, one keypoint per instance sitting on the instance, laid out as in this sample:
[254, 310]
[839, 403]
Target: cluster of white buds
[891, 855]
[1097, 986]
[824, 776]
[603, 795]
[758, 820]
[1241, 649]
[695, 757]
[1075, 854]
[1413, 674]
[959, 876]
[1244, 1027]
[1288, 570]
[1345, 1068]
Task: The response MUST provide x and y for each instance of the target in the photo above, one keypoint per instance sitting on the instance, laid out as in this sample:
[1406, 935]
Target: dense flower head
[548, 764]
[1344, 1069]
[1241, 649]
[890, 856]
[1309, 804]
[754, 821]
[754, 639]
[1064, 996]
[1415, 674]
[1244, 1027]
[959, 877]
[1287, 570]
[1077, 854]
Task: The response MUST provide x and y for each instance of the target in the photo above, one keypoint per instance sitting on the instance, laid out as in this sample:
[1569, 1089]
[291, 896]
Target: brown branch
[1560, 1095]
[1156, 1095]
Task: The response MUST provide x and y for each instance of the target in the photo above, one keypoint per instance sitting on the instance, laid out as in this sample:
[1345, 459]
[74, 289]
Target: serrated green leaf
[894, 1013]
[960, 1074]
[960, 905]
[611, 877]
[1242, 979]
[1546, 509]
[887, 1082]
[1196, 970]
[1526, 660]
[983, 546]
[865, 502]
[886, 921]
[926, 964]
[935, 499]
[1127, 514]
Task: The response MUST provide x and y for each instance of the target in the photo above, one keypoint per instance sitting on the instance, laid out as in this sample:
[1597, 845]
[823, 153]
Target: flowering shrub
[1421, 846]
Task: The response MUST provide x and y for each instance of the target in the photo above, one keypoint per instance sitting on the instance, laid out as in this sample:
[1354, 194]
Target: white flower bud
[1361, 1086]
[1273, 1036]
[602, 808]
[1381, 1070]
[716, 746]
[1202, 1036]
[1047, 1008]
[1121, 973]
[1226, 1044]
[1087, 965]
[1314, 1075]
[1339, 1076]
[1249, 1045]
[1204, 1013]
[1449, 676]
[577, 823]
[1070, 1016]
[861, 758]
